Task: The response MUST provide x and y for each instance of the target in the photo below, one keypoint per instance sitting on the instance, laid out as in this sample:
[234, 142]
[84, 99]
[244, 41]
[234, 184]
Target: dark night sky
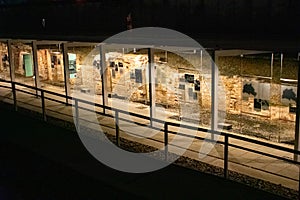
[236, 19]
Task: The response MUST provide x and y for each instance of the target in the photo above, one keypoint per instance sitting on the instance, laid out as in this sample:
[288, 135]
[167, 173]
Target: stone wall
[233, 71]
[18, 49]
[233, 91]
[259, 65]
[44, 64]
[4, 65]
[82, 54]
[49, 70]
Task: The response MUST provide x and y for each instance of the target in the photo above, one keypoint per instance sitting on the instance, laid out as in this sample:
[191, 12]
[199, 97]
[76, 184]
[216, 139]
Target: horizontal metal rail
[166, 128]
[230, 135]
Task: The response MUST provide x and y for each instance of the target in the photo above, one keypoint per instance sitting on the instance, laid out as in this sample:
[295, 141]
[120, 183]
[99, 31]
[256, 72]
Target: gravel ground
[281, 131]
[210, 169]
[207, 168]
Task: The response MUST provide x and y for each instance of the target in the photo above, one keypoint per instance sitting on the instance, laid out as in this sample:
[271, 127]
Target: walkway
[53, 164]
[251, 164]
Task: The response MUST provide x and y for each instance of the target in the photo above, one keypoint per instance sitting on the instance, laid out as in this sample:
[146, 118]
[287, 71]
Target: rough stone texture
[277, 121]
[44, 64]
[18, 50]
[3, 51]
[290, 68]
[275, 94]
[48, 71]
[233, 89]
[82, 54]
[232, 69]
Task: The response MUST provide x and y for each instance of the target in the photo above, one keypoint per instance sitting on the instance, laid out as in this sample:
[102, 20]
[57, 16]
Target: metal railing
[166, 130]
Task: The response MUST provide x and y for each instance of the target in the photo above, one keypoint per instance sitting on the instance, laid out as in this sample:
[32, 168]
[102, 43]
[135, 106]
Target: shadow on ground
[41, 161]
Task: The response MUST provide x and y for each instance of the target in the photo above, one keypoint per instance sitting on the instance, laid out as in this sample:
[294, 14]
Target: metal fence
[41, 94]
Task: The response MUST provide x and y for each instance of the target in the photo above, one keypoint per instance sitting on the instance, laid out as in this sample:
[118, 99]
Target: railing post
[297, 123]
[117, 128]
[226, 157]
[43, 105]
[11, 61]
[166, 140]
[77, 115]
[66, 71]
[36, 67]
[13, 84]
[299, 182]
[151, 76]
[103, 72]
[214, 92]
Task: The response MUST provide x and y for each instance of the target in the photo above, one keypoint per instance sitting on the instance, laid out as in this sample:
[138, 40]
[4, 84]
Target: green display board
[27, 59]
[72, 64]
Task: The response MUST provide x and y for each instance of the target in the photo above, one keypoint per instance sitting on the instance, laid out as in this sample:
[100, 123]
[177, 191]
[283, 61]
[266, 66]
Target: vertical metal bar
[117, 128]
[226, 157]
[214, 96]
[66, 71]
[14, 95]
[281, 64]
[36, 69]
[166, 140]
[272, 63]
[43, 106]
[151, 84]
[201, 61]
[297, 125]
[299, 181]
[11, 63]
[166, 56]
[103, 77]
[77, 115]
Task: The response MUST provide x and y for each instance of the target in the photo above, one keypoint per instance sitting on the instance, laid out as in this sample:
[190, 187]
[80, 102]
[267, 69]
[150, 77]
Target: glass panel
[51, 68]
[261, 94]
[79, 56]
[85, 81]
[23, 62]
[287, 95]
[194, 85]
[128, 77]
[181, 77]
[256, 65]
[170, 83]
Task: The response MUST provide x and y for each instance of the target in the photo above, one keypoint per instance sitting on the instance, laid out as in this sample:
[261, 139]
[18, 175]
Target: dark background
[215, 19]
